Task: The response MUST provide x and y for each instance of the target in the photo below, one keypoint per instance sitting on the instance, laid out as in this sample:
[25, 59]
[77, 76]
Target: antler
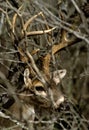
[55, 48]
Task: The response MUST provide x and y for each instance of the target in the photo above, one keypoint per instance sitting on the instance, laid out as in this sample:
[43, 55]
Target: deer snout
[59, 101]
[56, 98]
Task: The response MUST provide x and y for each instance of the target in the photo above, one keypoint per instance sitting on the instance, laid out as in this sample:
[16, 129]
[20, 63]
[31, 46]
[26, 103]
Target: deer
[40, 91]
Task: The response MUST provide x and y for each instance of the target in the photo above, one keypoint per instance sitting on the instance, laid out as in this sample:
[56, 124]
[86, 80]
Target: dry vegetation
[44, 36]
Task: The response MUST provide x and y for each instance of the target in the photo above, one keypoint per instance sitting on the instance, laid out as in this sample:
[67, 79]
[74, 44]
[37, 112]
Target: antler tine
[55, 48]
[41, 78]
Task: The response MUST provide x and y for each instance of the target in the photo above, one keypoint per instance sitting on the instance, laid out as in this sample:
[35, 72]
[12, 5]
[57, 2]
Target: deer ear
[58, 75]
[27, 80]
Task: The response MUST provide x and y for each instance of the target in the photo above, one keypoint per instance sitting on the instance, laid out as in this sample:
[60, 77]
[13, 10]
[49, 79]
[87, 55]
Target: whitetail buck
[39, 92]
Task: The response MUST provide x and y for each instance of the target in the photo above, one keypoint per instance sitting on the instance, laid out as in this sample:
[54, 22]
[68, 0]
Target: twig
[82, 16]
[1, 23]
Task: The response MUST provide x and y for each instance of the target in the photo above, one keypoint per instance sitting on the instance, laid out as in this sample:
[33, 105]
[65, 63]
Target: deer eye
[39, 88]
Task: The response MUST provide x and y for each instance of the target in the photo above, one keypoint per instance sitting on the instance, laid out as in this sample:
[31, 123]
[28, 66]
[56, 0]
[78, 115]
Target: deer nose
[59, 101]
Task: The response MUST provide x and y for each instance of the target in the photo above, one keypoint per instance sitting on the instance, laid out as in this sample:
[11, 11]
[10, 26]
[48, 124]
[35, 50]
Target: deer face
[44, 95]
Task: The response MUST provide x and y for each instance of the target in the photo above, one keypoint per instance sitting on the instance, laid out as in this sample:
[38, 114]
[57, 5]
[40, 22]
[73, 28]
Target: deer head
[42, 94]
[43, 84]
